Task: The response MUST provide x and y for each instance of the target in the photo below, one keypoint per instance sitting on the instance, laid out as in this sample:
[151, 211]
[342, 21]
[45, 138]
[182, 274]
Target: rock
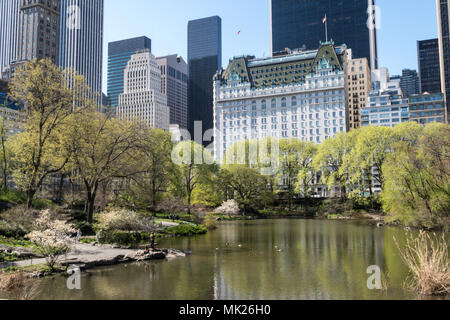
[116, 246]
[172, 253]
[5, 249]
[142, 255]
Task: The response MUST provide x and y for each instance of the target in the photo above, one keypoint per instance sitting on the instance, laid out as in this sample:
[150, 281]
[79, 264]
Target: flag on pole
[324, 19]
[239, 33]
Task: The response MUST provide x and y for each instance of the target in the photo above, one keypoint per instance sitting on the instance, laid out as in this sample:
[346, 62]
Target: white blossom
[230, 207]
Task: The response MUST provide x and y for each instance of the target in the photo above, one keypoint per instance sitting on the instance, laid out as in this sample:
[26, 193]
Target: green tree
[154, 148]
[103, 149]
[307, 174]
[290, 166]
[330, 158]
[365, 162]
[247, 185]
[194, 167]
[49, 100]
[417, 189]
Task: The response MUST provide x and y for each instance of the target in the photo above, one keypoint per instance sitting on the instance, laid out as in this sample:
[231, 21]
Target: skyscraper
[429, 73]
[204, 59]
[9, 32]
[81, 40]
[300, 24]
[357, 85]
[409, 82]
[443, 12]
[142, 99]
[119, 53]
[38, 30]
[174, 77]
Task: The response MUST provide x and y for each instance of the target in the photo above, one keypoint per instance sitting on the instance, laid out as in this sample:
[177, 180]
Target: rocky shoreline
[86, 257]
[137, 256]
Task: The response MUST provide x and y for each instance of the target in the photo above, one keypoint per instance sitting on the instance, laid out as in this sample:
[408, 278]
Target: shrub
[12, 230]
[210, 222]
[21, 216]
[85, 227]
[14, 197]
[52, 237]
[10, 242]
[428, 261]
[171, 206]
[124, 220]
[122, 237]
[41, 204]
[185, 230]
[230, 207]
[366, 203]
[18, 285]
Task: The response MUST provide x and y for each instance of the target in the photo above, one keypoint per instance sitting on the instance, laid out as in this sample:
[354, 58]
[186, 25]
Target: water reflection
[267, 259]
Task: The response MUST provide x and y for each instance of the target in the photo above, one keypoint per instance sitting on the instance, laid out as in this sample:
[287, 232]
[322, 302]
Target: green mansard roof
[282, 70]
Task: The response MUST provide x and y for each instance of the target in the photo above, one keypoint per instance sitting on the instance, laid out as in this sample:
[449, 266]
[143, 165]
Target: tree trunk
[5, 167]
[90, 207]
[344, 193]
[30, 197]
[189, 204]
[61, 189]
[90, 203]
[154, 199]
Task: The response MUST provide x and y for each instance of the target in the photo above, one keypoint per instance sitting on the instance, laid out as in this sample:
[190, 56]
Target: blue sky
[403, 22]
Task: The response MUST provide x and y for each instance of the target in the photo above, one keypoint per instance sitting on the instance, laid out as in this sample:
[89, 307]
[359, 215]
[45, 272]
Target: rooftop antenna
[325, 21]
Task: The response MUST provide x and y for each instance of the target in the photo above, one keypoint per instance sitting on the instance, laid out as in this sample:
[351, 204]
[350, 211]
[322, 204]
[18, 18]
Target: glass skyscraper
[204, 59]
[298, 24]
[81, 40]
[9, 32]
[119, 53]
[429, 72]
[409, 82]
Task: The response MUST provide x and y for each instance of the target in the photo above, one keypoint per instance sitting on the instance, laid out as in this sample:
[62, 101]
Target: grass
[18, 197]
[334, 216]
[14, 197]
[37, 268]
[427, 258]
[88, 240]
[8, 257]
[185, 230]
[16, 242]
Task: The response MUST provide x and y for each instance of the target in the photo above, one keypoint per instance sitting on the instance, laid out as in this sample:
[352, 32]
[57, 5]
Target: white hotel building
[299, 95]
[143, 99]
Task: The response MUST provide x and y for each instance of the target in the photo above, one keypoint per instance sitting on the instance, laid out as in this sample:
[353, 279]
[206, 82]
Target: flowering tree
[230, 207]
[124, 220]
[52, 237]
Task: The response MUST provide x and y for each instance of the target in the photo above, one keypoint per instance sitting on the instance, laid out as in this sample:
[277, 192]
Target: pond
[286, 259]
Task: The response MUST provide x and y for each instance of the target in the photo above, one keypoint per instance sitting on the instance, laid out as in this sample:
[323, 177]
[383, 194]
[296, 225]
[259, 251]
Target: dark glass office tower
[299, 24]
[119, 53]
[204, 59]
[429, 72]
[409, 82]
